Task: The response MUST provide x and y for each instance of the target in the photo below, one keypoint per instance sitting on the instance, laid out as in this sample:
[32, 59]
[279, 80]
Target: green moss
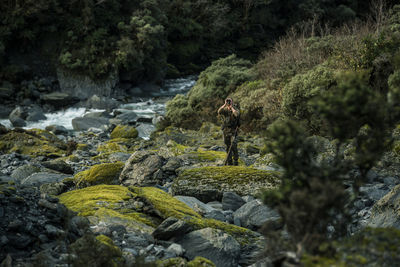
[240, 179]
[165, 203]
[33, 143]
[200, 261]
[200, 154]
[196, 262]
[107, 202]
[172, 262]
[99, 174]
[116, 145]
[115, 251]
[83, 147]
[124, 131]
[87, 200]
[170, 206]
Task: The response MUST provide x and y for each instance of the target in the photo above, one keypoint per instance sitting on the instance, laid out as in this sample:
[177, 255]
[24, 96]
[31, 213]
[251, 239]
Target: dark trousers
[233, 156]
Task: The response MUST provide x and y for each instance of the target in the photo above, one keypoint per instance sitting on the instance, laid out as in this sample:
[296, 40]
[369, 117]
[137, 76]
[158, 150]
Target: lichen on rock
[124, 131]
[33, 142]
[209, 183]
[105, 173]
[107, 203]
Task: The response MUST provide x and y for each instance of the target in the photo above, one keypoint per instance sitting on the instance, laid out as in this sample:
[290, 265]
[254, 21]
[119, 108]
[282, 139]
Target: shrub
[301, 89]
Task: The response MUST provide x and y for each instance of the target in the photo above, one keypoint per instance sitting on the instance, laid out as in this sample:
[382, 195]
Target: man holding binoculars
[230, 116]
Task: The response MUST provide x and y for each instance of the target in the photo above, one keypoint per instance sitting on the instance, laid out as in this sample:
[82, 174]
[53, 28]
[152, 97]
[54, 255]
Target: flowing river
[149, 107]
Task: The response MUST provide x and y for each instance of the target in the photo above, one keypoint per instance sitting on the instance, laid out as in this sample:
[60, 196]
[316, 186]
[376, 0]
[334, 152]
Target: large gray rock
[84, 124]
[386, 212]
[195, 204]
[97, 102]
[171, 228]
[83, 87]
[127, 118]
[23, 172]
[374, 191]
[254, 214]
[57, 129]
[59, 99]
[37, 179]
[17, 117]
[36, 114]
[231, 201]
[58, 165]
[213, 244]
[143, 169]
[102, 114]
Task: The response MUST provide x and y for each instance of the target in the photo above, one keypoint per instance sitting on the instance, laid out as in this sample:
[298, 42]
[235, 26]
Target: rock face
[254, 214]
[23, 172]
[386, 212]
[231, 201]
[209, 183]
[195, 204]
[97, 102]
[83, 124]
[17, 117]
[171, 227]
[83, 87]
[143, 168]
[212, 244]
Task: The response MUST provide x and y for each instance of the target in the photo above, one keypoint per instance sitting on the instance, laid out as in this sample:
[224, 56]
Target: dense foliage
[341, 83]
[149, 39]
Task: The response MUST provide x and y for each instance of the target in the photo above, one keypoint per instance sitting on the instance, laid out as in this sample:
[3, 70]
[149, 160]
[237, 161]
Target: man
[229, 114]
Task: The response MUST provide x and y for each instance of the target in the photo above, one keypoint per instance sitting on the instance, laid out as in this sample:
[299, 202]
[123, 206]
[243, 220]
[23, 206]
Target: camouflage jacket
[229, 121]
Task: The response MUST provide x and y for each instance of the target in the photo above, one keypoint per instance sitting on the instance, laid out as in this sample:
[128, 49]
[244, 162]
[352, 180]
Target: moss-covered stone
[107, 203]
[200, 261]
[208, 183]
[169, 206]
[95, 251]
[108, 242]
[196, 262]
[124, 131]
[105, 173]
[33, 143]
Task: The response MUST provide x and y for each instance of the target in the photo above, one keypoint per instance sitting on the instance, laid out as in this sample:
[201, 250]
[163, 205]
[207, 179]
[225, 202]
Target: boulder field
[110, 198]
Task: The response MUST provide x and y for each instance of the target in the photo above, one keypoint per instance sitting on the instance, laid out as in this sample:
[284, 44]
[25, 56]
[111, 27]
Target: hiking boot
[236, 163]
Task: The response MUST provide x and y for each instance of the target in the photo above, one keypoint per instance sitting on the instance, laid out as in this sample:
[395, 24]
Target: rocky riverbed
[109, 197]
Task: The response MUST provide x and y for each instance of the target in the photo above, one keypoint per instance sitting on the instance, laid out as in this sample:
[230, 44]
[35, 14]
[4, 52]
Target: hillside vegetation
[152, 38]
[339, 83]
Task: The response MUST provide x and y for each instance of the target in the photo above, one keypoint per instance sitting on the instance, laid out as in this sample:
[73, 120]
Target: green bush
[179, 112]
[304, 87]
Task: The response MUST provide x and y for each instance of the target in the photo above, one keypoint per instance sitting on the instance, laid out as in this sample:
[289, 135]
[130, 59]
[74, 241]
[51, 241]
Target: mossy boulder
[107, 203]
[95, 251]
[115, 203]
[113, 146]
[209, 183]
[168, 206]
[33, 142]
[106, 173]
[196, 262]
[124, 131]
[193, 154]
[386, 212]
